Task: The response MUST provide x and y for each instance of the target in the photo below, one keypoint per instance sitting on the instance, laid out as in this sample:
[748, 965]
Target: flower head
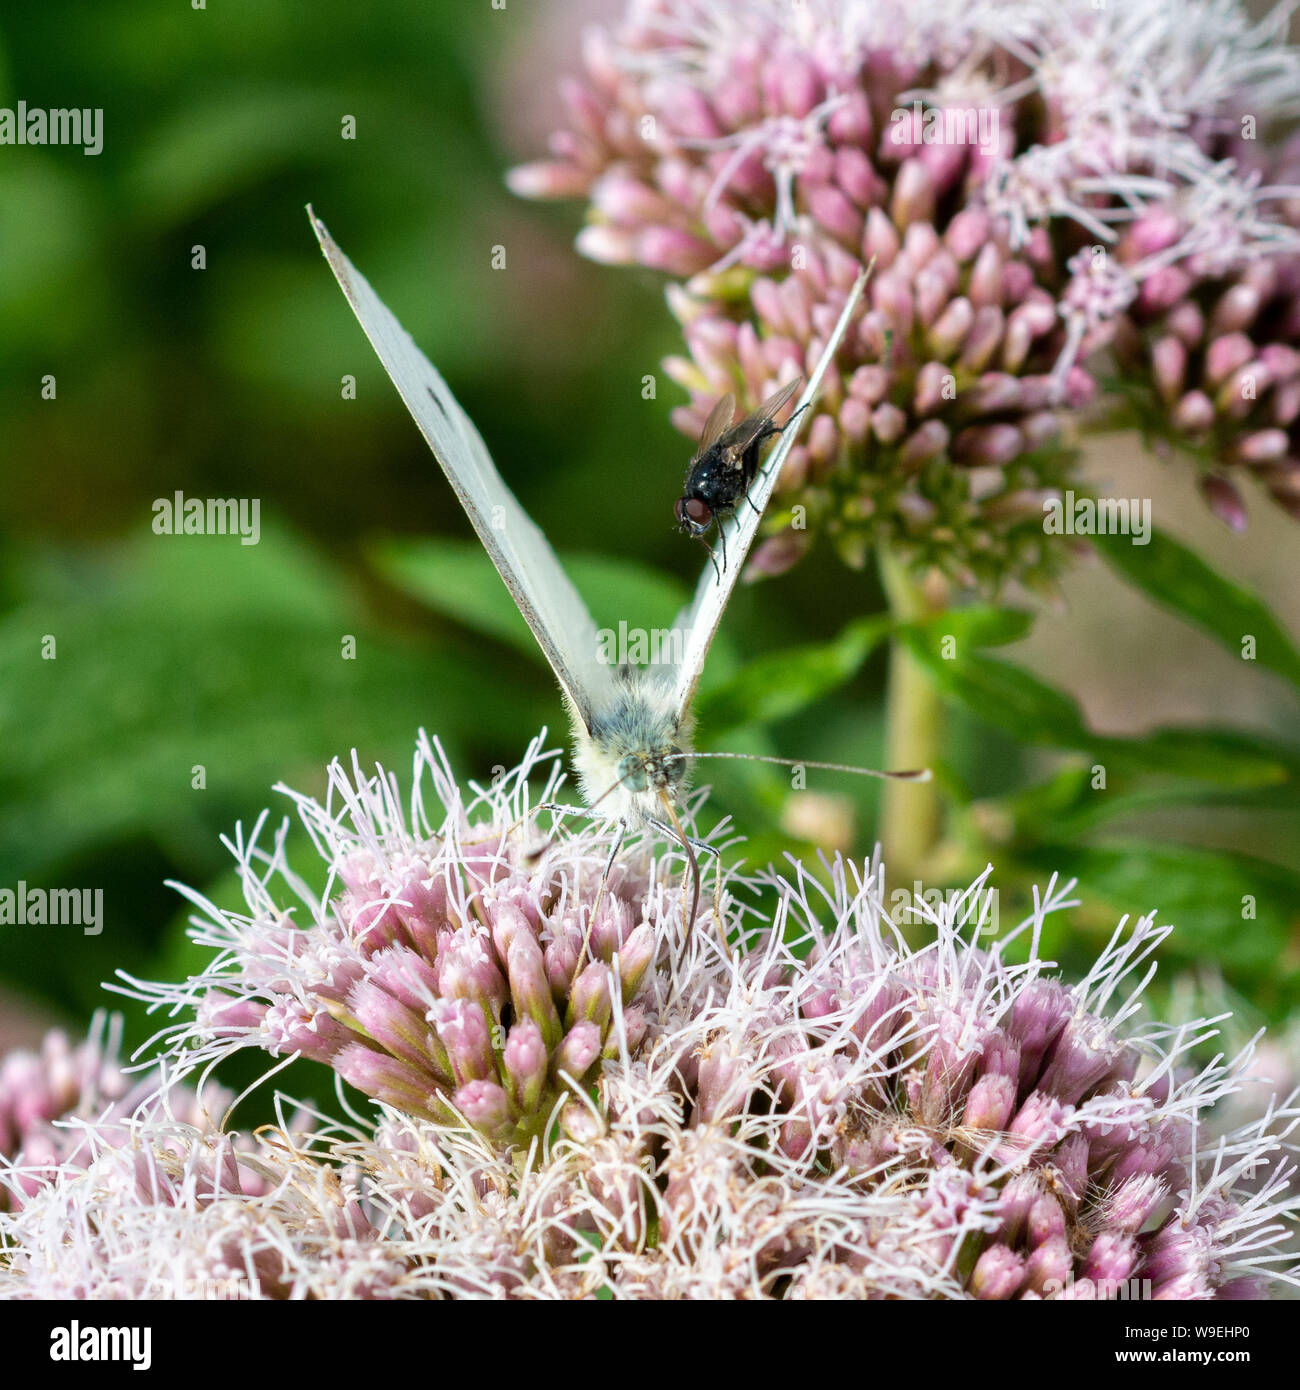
[49, 1098]
[167, 1210]
[791, 1102]
[1212, 342]
[465, 969]
[990, 157]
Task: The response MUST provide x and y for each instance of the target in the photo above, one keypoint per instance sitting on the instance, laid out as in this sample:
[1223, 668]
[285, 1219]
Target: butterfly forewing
[521, 553]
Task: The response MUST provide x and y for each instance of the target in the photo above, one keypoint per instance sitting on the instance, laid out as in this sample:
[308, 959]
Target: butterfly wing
[699, 620]
[524, 559]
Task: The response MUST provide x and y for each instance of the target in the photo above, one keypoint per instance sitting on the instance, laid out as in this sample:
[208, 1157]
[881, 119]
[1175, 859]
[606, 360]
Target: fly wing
[524, 559]
[699, 620]
[715, 426]
[740, 438]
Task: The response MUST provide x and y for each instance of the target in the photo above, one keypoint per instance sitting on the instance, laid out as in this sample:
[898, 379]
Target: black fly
[725, 464]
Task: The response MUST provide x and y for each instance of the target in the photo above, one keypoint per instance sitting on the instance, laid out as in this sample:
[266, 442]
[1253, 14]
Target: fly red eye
[697, 511]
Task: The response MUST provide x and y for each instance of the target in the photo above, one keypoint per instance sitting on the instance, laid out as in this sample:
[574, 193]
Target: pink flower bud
[606, 244]
[1194, 413]
[530, 990]
[1051, 1263]
[1169, 367]
[526, 1061]
[967, 232]
[930, 383]
[888, 422]
[993, 445]
[989, 1103]
[579, 1050]
[1264, 446]
[998, 1274]
[485, 1105]
[1224, 500]
[986, 278]
[1225, 355]
[1112, 1259]
[589, 997]
[546, 178]
[858, 178]
[880, 240]
[923, 444]
[777, 554]
[463, 1031]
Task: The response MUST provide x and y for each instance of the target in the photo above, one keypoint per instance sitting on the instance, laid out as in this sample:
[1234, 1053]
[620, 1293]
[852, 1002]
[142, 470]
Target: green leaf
[1203, 893]
[978, 625]
[1010, 698]
[1005, 695]
[782, 683]
[1181, 581]
[1067, 806]
[457, 578]
[176, 653]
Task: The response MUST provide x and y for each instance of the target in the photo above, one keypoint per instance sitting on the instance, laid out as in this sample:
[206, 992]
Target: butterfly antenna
[918, 775]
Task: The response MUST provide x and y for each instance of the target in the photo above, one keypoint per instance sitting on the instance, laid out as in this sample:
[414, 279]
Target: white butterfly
[631, 726]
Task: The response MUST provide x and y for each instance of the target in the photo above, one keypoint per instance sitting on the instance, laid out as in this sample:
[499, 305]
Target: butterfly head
[655, 771]
[635, 753]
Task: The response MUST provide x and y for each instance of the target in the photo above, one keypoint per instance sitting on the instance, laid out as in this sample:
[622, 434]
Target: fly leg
[712, 560]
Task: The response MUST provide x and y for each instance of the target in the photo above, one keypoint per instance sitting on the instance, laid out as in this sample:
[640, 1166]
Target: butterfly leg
[699, 847]
[553, 807]
[619, 837]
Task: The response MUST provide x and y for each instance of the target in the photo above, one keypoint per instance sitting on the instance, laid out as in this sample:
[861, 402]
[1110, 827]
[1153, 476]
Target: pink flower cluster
[983, 154]
[463, 973]
[785, 1101]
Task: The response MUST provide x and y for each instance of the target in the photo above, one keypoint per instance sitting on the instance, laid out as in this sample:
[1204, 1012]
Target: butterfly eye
[632, 773]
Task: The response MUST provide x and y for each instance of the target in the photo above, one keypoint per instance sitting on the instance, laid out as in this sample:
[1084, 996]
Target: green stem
[912, 816]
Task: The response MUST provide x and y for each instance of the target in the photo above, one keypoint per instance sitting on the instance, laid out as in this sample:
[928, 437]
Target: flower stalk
[912, 817]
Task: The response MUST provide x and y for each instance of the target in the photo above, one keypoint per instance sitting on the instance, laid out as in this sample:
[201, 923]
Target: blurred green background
[219, 125]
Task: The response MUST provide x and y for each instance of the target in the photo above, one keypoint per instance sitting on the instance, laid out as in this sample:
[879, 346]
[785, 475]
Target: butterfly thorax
[631, 756]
